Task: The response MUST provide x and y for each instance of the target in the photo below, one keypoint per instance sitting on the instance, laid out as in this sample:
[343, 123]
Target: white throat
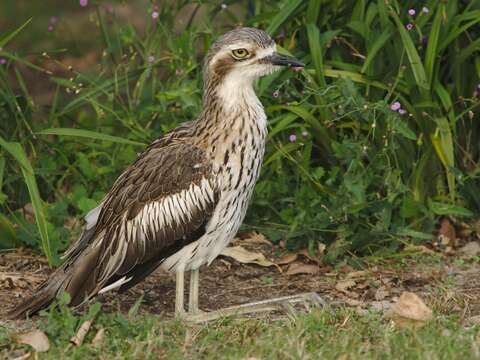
[237, 90]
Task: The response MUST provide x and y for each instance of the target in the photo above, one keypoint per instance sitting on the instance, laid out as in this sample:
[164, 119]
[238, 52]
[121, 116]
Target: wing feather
[159, 204]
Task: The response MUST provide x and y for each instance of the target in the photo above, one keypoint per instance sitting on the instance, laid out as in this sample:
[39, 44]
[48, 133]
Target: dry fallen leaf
[410, 311]
[321, 249]
[474, 320]
[344, 285]
[98, 339]
[418, 248]
[36, 339]
[470, 250]
[356, 274]
[305, 253]
[287, 258]
[301, 268]
[381, 293]
[253, 237]
[246, 257]
[77, 339]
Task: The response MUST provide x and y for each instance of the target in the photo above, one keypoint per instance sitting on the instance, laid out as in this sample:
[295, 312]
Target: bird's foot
[285, 303]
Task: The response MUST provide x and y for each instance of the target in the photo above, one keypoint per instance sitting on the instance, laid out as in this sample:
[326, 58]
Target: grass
[323, 334]
[334, 332]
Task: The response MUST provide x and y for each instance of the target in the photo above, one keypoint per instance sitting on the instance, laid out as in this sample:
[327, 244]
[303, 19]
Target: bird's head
[243, 55]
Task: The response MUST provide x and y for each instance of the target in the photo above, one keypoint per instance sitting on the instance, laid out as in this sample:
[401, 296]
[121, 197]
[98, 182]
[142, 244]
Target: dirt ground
[446, 282]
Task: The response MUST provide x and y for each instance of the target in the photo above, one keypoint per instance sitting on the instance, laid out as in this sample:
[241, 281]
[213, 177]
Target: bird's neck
[229, 103]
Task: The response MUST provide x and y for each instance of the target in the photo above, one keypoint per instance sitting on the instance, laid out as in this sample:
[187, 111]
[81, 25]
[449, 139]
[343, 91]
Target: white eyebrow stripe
[266, 52]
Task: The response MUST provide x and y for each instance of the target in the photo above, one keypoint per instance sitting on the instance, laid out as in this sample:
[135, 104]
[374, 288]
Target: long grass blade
[432, 46]
[15, 149]
[93, 135]
[4, 40]
[316, 51]
[286, 10]
[413, 57]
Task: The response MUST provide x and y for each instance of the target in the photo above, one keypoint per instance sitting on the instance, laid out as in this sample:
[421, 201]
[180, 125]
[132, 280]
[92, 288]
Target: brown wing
[159, 204]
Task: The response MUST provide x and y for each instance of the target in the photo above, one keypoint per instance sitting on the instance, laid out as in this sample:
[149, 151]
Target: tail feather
[42, 297]
[76, 276]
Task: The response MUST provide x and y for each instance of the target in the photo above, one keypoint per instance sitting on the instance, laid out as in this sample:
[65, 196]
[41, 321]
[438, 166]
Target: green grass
[359, 178]
[323, 334]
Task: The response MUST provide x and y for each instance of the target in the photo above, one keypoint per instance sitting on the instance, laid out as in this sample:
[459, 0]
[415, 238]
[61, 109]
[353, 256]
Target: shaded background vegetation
[377, 139]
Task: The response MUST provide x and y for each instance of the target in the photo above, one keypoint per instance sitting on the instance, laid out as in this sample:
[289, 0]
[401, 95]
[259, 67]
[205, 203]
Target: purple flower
[151, 58]
[425, 10]
[83, 3]
[275, 94]
[305, 134]
[155, 15]
[425, 40]
[402, 111]
[411, 12]
[50, 28]
[409, 27]
[292, 138]
[3, 61]
[395, 106]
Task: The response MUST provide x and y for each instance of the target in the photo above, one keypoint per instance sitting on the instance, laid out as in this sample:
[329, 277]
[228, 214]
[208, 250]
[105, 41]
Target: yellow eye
[240, 53]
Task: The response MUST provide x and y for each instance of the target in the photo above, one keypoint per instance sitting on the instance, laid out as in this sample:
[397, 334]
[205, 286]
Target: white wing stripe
[171, 211]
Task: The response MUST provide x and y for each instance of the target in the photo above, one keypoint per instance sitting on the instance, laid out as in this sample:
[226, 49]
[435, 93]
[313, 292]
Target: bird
[181, 202]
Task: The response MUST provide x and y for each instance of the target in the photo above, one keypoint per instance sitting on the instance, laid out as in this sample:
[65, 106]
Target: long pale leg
[193, 294]
[179, 293]
[282, 303]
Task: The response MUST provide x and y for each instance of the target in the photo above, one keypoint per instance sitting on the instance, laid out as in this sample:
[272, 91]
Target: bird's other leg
[193, 294]
[282, 303]
[179, 293]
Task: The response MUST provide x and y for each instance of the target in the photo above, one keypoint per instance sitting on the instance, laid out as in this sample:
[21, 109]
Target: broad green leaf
[93, 135]
[415, 234]
[449, 209]
[442, 141]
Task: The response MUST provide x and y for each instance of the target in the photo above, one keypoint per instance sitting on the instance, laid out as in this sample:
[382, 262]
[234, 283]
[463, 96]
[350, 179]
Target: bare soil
[447, 283]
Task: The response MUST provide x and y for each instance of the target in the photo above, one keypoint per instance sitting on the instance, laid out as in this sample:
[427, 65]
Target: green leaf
[287, 8]
[18, 153]
[449, 209]
[431, 53]
[402, 127]
[89, 135]
[316, 51]
[9, 36]
[442, 141]
[376, 46]
[313, 11]
[415, 234]
[413, 57]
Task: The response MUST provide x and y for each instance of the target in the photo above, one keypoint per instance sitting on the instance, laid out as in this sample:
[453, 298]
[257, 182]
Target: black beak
[285, 60]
